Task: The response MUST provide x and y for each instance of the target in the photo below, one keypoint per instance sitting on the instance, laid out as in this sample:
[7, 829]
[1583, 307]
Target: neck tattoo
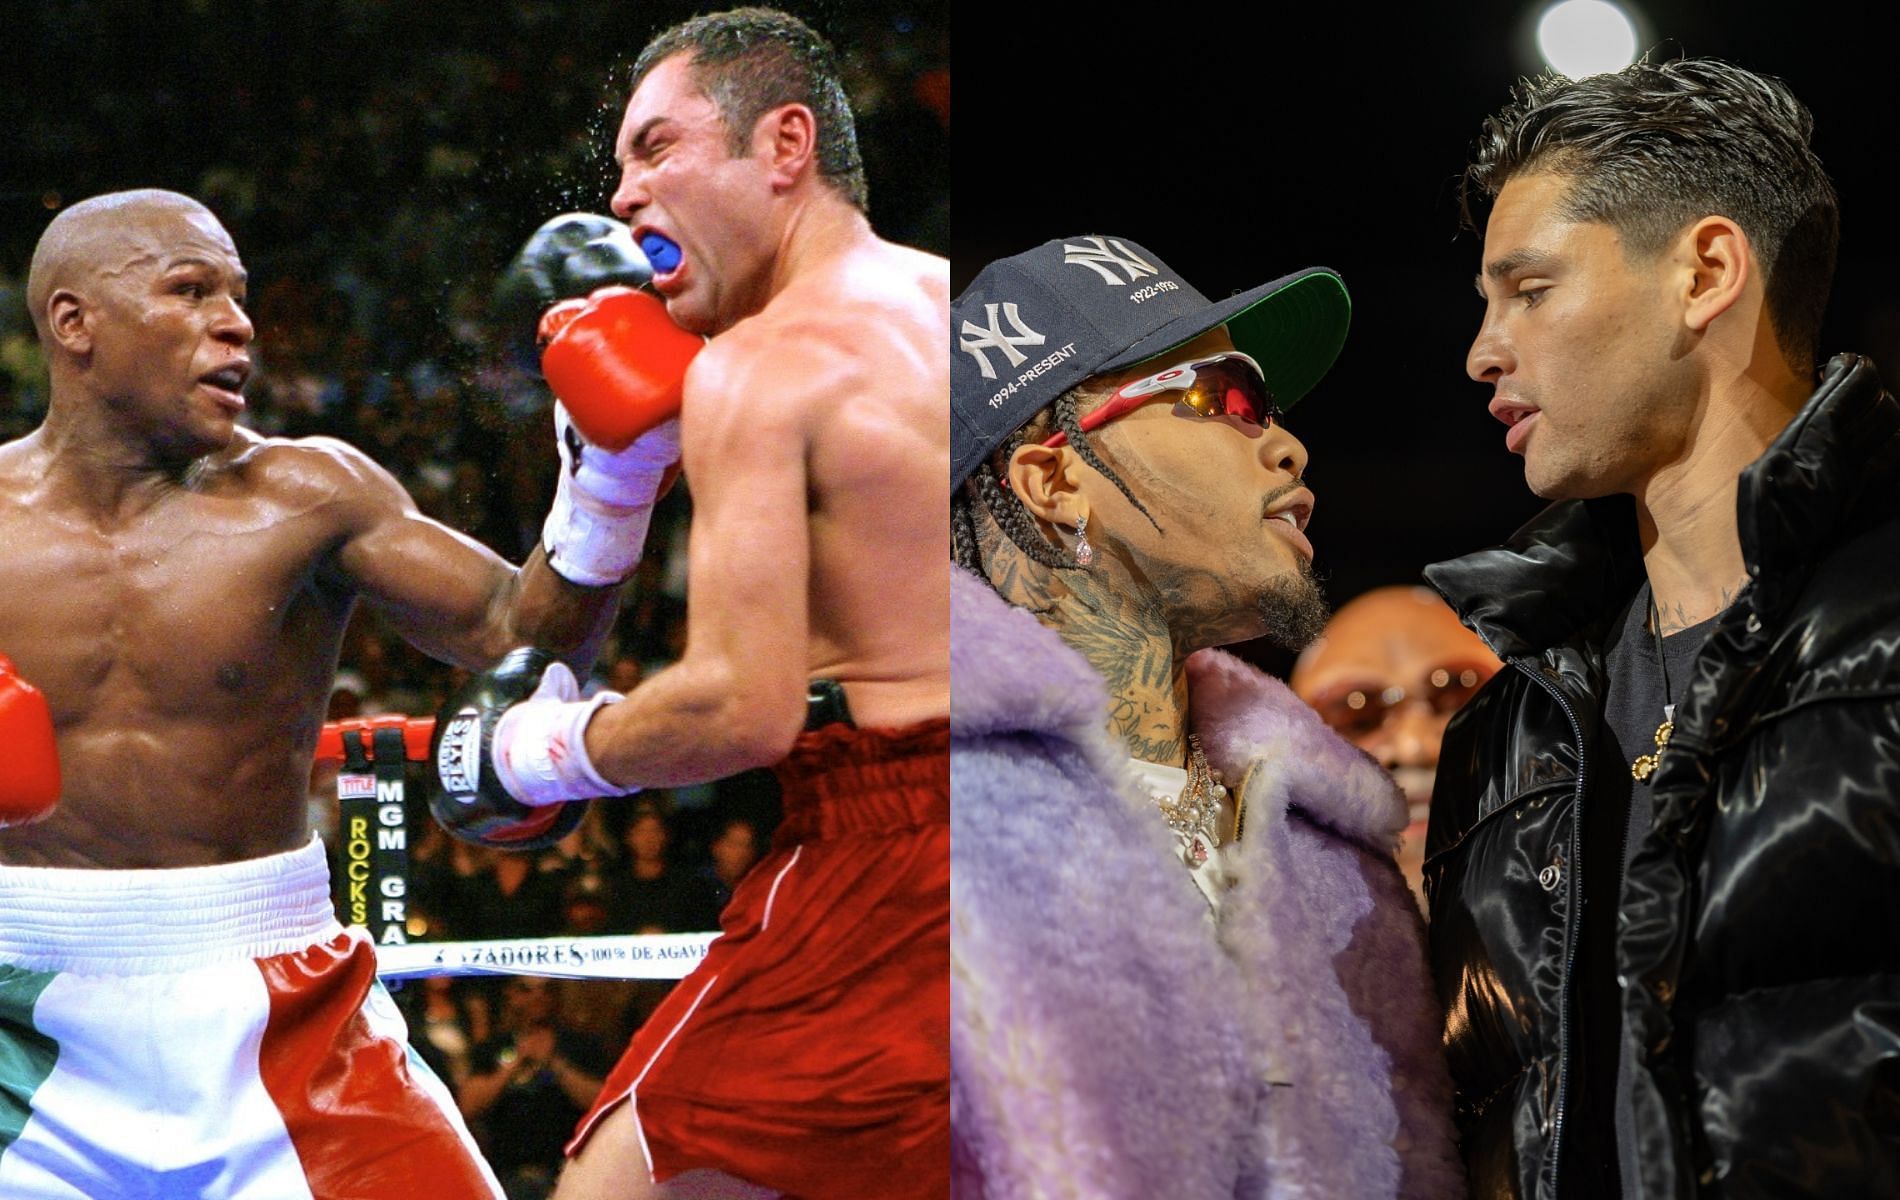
[1645, 765]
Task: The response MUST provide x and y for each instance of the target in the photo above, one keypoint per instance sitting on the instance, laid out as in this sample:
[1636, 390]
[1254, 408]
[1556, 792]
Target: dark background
[1239, 150]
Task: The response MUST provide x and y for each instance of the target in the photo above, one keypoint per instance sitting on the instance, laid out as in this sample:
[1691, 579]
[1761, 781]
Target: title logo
[977, 339]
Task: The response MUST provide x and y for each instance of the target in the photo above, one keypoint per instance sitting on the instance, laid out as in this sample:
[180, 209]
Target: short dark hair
[1656, 146]
[751, 60]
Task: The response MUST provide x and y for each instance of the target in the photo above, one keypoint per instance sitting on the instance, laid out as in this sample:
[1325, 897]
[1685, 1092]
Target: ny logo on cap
[977, 339]
[1098, 258]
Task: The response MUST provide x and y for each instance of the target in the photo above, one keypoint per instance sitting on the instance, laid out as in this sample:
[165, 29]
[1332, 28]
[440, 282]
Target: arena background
[1335, 135]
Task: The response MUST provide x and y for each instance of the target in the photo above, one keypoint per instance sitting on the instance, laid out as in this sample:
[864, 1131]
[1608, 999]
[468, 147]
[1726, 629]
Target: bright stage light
[1586, 37]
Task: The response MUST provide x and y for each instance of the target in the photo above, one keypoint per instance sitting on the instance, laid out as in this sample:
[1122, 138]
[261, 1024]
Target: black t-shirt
[1633, 701]
[1632, 709]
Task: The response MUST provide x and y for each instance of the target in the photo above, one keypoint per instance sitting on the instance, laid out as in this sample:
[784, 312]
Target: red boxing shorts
[809, 1051]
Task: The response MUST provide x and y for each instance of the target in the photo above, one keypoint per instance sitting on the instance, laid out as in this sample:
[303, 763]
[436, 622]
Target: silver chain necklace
[1195, 813]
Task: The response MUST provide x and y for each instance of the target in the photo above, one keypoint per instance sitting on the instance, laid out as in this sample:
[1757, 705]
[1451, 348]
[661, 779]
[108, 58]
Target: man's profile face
[678, 178]
[167, 318]
[1227, 569]
[1583, 346]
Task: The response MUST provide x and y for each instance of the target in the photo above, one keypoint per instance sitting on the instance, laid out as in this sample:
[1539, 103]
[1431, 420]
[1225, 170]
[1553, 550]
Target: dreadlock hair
[1007, 510]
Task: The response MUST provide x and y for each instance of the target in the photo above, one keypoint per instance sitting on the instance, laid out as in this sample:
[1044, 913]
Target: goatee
[1293, 609]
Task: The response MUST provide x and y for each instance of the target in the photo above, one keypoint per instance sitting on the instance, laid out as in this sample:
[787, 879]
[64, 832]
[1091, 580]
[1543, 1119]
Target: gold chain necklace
[1645, 766]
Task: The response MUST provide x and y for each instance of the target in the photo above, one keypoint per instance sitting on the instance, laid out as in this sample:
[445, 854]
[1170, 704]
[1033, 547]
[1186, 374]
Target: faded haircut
[1652, 148]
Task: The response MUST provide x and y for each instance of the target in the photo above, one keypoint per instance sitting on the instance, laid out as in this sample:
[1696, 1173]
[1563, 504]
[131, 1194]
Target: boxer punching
[180, 1013]
[808, 1054]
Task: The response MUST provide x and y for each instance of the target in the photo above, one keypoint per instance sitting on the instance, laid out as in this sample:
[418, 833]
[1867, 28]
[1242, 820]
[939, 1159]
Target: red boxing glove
[616, 360]
[29, 785]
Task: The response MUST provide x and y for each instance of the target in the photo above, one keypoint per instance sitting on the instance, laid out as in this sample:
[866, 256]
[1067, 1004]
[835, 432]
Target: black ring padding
[354, 757]
[390, 749]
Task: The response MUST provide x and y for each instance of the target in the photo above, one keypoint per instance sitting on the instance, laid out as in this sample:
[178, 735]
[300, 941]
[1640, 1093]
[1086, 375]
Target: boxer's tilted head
[1116, 435]
[1645, 233]
[138, 298]
[735, 118]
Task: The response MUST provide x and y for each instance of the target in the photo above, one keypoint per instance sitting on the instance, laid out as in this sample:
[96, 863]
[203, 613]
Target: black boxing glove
[510, 764]
[571, 256]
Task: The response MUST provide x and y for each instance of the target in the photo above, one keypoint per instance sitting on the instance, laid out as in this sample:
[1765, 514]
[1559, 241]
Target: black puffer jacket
[1757, 946]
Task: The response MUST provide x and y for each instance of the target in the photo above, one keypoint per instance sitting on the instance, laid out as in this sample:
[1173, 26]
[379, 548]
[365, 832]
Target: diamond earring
[1084, 553]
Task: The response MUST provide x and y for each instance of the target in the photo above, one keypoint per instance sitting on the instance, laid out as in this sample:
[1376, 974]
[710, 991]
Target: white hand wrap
[540, 746]
[598, 524]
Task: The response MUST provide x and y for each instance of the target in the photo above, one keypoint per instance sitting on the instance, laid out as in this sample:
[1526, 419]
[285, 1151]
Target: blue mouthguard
[661, 252]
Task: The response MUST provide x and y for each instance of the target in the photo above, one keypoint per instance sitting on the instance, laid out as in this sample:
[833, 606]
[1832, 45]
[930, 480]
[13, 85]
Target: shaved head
[102, 235]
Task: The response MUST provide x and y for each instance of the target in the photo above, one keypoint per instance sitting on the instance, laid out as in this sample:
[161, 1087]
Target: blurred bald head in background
[1388, 673]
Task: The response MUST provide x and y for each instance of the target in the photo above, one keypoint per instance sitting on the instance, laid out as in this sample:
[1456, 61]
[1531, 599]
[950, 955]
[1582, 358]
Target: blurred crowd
[377, 172]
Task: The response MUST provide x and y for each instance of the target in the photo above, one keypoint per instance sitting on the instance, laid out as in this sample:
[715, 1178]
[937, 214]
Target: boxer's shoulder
[764, 369]
[20, 466]
[307, 473]
[856, 327]
[880, 279]
[918, 269]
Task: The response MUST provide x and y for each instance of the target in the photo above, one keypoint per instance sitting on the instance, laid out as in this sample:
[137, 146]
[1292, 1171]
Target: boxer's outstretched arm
[446, 593]
[736, 698]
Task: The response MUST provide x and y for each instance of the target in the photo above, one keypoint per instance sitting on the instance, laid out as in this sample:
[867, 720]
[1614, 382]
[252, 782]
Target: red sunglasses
[1229, 384]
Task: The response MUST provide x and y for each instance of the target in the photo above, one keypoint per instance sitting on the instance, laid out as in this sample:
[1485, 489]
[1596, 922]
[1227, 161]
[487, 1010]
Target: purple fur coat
[1107, 1040]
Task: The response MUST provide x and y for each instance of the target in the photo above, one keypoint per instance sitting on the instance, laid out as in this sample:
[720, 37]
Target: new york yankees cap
[1032, 326]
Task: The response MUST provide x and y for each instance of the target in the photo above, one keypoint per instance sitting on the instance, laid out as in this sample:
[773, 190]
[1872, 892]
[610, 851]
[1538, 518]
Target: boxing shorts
[809, 1051]
[209, 1032]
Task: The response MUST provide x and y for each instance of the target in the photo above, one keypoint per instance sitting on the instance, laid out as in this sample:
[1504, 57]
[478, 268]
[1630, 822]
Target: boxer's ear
[787, 138]
[66, 321]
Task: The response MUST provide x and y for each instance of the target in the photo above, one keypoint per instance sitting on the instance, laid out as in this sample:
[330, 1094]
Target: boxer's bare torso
[185, 644]
[816, 444]
[185, 631]
[878, 455]
[178, 585]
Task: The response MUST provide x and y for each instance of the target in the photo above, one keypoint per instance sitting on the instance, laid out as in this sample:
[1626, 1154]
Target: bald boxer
[177, 587]
[1387, 674]
[808, 1055]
